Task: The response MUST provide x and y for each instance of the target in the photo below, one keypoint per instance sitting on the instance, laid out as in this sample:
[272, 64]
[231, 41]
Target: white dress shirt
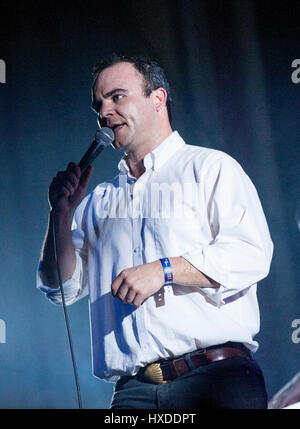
[193, 202]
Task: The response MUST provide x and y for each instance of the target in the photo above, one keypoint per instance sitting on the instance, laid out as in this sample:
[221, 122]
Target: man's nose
[106, 110]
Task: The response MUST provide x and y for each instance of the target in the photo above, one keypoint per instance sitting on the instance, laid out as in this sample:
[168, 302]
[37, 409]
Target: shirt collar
[159, 155]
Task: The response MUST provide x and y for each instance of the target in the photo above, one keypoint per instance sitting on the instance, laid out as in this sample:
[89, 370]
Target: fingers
[138, 300]
[74, 168]
[116, 284]
[134, 285]
[130, 296]
[126, 294]
[124, 289]
[68, 187]
[66, 181]
[69, 183]
[71, 178]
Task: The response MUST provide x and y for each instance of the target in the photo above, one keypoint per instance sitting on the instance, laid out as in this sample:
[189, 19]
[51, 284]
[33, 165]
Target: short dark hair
[154, 75]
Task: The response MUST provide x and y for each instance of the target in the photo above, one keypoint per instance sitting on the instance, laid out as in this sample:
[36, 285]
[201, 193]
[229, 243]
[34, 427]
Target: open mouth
[117, 127]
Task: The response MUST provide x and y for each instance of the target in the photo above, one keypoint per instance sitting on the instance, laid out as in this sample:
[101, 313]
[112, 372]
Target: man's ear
[159, 96]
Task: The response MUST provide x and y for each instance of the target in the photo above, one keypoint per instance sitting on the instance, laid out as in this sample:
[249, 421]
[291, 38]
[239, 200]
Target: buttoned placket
[136, 192]
[137, 189]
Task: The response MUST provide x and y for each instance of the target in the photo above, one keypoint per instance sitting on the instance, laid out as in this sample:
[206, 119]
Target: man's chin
[120, 145]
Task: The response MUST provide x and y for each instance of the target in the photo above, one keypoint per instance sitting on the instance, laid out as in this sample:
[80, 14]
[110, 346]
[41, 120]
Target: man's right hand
[66, 192]
[68, 188]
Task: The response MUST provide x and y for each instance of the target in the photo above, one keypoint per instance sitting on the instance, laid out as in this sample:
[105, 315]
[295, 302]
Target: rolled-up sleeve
[240, 251]
[76, 287]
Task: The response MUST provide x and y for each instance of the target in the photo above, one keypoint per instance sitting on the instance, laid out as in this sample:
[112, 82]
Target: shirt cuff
[214, 294]
[72, 287]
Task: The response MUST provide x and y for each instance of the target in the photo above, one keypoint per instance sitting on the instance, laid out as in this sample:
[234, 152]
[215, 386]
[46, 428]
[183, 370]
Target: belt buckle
[153, 372]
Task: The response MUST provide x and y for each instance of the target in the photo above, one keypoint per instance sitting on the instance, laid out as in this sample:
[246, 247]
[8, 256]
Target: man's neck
[137, 169]
[135, 159]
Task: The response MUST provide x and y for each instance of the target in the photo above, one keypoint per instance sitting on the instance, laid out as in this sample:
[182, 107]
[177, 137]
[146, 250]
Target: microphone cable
[56, 252]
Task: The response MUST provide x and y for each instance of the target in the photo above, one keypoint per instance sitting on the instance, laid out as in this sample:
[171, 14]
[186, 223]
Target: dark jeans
[234, 383]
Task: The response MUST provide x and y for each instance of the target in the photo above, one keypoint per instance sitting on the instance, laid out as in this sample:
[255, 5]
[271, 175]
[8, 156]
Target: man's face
[119, 99]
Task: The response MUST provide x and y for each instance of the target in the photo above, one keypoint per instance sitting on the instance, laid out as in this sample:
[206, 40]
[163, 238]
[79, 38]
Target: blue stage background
[229, 65]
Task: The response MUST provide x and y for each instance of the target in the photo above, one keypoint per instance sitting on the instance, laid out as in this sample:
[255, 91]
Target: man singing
[169, 252]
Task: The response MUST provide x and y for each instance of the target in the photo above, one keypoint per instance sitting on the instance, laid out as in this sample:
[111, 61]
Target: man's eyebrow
[97, 104]
[113, 91]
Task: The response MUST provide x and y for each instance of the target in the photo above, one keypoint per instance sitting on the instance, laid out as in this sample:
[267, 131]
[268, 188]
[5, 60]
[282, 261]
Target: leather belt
[167, 370]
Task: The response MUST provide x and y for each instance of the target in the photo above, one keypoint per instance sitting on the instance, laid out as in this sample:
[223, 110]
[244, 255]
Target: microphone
[103, 138]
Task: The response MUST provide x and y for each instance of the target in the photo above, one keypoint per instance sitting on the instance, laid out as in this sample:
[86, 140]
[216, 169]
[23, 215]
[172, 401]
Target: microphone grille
[105, 135]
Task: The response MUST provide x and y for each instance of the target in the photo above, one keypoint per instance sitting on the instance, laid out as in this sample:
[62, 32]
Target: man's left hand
[134, 285]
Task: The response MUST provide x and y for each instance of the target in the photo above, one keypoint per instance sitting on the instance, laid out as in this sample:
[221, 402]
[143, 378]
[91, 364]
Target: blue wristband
[167, 270]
